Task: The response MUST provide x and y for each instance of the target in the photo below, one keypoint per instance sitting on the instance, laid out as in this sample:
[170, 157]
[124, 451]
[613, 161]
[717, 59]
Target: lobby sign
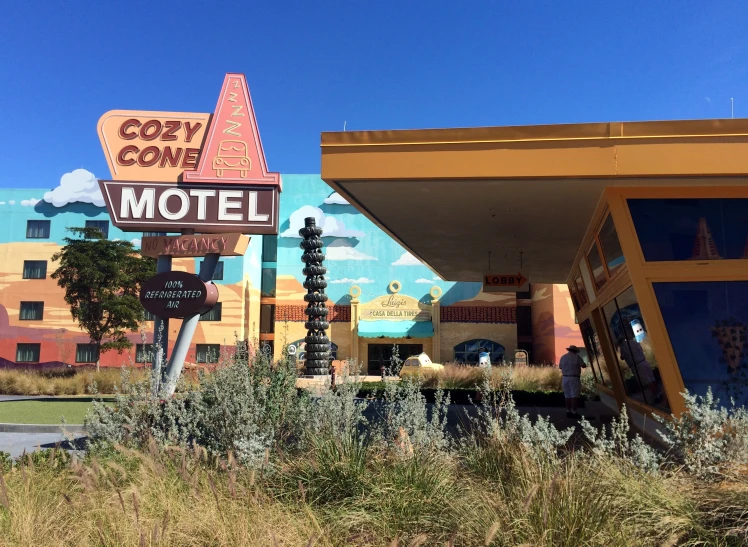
[395, 307]
[174, 171]
[177, 294]
[230, 244]
[503, 282]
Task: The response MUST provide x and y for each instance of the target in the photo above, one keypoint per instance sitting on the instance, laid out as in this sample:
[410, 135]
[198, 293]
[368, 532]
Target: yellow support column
[355, 292]
[436, 292]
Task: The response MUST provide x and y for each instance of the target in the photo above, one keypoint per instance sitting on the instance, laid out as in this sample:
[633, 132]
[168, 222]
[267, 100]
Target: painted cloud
[335, 199]
[340, 249]
[331, 227]
[29, 202]
[79, 186]
[424, 281]
[136, 242]
[359, 281]
[407, 259]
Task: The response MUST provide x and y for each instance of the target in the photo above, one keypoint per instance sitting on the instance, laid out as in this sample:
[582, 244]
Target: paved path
[18, 443]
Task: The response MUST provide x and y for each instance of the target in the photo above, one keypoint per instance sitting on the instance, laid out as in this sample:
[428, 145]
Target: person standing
[571, 365]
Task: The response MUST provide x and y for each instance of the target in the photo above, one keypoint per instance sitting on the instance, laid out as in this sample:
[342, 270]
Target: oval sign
[177, 295]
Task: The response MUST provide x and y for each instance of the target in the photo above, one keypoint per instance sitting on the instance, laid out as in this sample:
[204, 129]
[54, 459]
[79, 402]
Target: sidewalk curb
[41, 428]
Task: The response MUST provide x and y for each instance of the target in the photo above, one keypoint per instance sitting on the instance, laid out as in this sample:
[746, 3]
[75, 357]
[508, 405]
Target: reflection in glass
[595, 355]
[636, 359]
[691, 229]
[707, 323]
[610, 246]
[596, 265]
[574, 297]
[581, 291]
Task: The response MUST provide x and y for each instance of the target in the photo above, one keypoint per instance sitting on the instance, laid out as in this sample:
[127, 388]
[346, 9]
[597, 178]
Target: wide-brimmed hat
[573, 348]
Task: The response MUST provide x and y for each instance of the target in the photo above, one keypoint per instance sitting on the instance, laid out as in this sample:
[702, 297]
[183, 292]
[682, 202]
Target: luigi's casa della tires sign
[176, 170]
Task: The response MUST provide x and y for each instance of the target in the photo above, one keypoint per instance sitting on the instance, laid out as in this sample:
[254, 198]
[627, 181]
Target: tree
[102, 280]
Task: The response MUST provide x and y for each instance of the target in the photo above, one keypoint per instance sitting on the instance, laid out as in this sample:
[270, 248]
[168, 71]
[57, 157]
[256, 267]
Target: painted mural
[357, 253]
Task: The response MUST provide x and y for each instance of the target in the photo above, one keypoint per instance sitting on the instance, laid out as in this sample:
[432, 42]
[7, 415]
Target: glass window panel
[37, 229]
[102, 225]
[267, 287]
[634, 353]
[148, 316]
[31, 311]
[267, 318]
[586, 280]
[270, 248]
[574, 296]
[85, 353]
[153, 234]
[34, 269]
[28, 353]
[214, 314]
[707, 322]
[207, 353]
[595, 353]
[144, 353]
[218, 274]
[581, 291]
[596, 265]
[467, 352]
[691, 229]
[610, 246]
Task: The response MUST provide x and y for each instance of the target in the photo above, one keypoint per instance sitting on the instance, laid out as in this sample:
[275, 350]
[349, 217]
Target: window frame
[41, 312]
[218, 307]
[47, 223]
[208, 353]
[106, 233]
[140, 349]
[46, 263]
[35, 346]
[91, 347]
[597, 245]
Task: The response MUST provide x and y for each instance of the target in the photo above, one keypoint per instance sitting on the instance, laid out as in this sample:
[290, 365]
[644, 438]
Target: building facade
[380, 295]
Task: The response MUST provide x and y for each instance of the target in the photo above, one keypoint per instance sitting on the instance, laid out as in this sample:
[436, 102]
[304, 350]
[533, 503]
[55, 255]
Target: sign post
[187, 173]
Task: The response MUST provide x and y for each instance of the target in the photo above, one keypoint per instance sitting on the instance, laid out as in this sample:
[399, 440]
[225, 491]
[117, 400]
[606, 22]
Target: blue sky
[311, 66]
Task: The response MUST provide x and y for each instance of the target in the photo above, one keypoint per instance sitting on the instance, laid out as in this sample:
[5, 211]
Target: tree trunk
[98, 355]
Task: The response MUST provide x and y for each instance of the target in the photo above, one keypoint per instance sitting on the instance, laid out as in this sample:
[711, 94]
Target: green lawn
[43, 411]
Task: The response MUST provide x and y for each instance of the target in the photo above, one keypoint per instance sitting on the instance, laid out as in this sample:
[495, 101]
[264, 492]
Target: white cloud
[407, 259]
[331, 227]
[2, 203]
[116, 239]
[335, 199]
[11, 202]
[253, 261]
[29, 202]
[340, 249]
[359, 281]
[424, 281]
[135, 242]
[79, 186]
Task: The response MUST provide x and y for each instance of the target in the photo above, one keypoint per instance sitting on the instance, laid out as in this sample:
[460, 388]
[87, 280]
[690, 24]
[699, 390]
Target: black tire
[315, 283]
[315, 297]
[308, 231]
[317, 363]
[317, 371]
[317, 355]
[314, 270]
[313, 258]
[317, 324]
[314, 338]
[311, 244]
[316, 311]
[317, 347]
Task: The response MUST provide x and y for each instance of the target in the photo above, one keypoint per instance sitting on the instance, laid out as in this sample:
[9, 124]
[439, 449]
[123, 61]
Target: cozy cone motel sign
[199, 174]
[177, 171]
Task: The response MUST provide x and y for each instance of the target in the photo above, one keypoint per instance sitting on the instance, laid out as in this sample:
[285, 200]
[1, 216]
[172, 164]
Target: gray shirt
[571, 364]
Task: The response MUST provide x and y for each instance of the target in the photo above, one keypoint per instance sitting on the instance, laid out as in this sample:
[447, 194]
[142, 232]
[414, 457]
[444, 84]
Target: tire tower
[317, 343]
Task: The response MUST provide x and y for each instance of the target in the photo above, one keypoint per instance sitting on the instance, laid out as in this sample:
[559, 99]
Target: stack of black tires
[318, 353]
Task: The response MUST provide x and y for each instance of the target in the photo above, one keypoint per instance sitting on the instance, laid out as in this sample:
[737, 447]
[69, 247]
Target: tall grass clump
[68, 381]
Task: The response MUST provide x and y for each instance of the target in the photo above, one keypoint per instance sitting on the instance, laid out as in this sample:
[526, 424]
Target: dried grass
[76, 382]
[524, 378]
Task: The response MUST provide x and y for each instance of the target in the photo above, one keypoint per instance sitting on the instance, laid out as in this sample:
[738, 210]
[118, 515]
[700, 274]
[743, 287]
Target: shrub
[708, 439]
[614, 443]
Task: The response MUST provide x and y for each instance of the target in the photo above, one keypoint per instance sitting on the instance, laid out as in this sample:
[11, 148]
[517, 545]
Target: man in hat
[571, 365]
